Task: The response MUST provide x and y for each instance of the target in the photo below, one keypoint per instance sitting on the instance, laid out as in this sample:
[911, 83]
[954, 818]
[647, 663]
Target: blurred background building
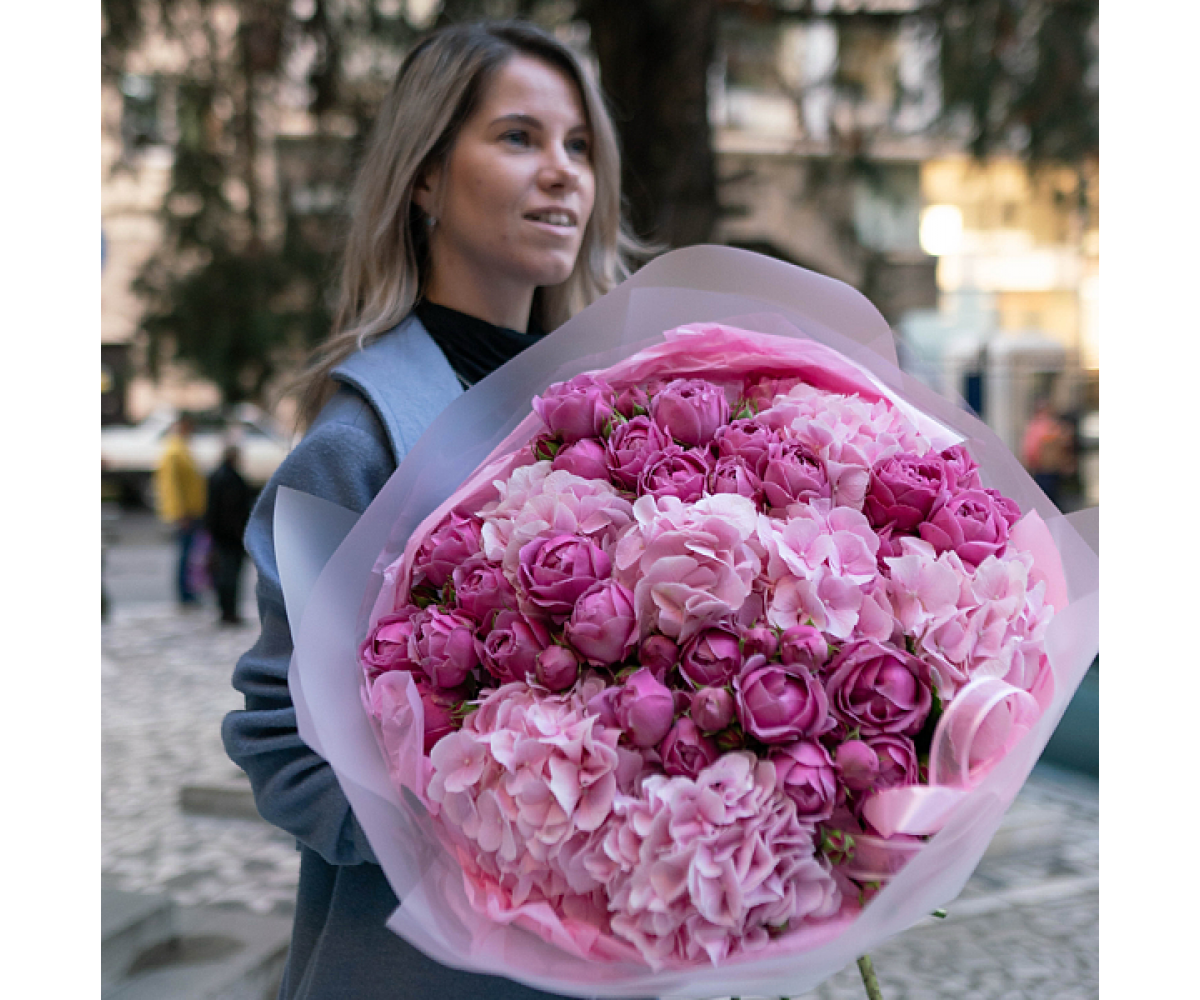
[939, 155]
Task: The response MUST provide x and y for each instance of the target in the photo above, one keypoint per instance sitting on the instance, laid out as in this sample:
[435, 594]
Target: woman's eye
[515, 137]
[579, 147]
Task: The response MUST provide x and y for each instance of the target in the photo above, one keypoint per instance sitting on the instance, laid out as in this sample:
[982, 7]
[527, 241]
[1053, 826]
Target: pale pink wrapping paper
[690, 286]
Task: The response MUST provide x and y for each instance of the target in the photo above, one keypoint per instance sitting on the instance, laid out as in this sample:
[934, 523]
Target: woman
[487, 210]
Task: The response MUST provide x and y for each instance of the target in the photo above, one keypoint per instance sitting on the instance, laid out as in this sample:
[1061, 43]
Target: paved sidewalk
[1026, 926]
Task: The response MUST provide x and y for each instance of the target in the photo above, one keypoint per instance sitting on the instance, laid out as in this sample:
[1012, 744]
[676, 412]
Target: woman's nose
[559, 170]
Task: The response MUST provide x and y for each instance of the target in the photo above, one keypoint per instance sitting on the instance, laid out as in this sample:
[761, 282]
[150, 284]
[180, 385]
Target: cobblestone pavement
[1026, 925]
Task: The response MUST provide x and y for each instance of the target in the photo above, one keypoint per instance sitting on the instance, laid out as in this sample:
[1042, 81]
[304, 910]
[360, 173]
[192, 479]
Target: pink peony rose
[963, 469]
[803, 646]
[677, 472]
[633, 401]
[440, 708]
[805, 772]
[898, 764]
[510, 650]
[386, 646]
[630, 447]
[690, 410]
[712, 708]
[686, 751]
[578, 408]
[644, 708]
[972, 523]
[733, 474]
[905, 489]
[749, 439]
[555, 570]
[442, 644]
[603, 627]
[857, 765]
[792, 473]
[557, 668]
[778, 704]
[712, 657]
[584, 458]
[760, 640]
[481, 589]
[658, 654]
[878, 688]
[452, 542]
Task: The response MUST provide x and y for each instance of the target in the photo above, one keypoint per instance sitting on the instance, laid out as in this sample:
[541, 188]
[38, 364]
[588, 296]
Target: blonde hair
[385, 260]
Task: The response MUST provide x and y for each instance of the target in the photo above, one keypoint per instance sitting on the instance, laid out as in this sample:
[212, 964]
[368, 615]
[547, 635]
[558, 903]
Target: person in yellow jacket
[181, 499]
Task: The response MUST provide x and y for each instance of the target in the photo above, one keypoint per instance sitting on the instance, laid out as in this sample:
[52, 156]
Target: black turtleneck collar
[474, 347]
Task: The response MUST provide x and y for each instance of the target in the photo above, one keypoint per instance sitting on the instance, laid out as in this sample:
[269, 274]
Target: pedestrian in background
[1047, 450]
[228, 509]
[181, 490]
[487, 211]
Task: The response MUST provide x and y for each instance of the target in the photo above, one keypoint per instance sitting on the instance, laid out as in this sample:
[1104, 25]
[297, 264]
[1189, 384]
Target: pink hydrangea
[710, 867]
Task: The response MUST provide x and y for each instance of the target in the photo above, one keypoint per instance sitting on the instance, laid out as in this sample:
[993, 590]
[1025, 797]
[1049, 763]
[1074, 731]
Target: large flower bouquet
[699, 660]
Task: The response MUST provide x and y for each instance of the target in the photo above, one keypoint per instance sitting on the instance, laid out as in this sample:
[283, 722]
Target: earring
[430, 221]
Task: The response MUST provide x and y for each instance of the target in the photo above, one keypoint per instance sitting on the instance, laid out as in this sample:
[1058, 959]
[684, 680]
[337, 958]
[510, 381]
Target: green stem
[867, 969]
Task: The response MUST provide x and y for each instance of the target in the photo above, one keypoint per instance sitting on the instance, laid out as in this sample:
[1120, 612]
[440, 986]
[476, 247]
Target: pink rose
[452, 542]
[964, 471]
[733, 474]
[440, 709]
[973, 523]
[555, 570]
[898, 764]
[878, 688]
[442, 644]
[386, 646]
[677, 472]
[510, 650]
[712, 657]
[644, 708]
[749, 439]
[905, 489]
[577, 408]
[630, 447]
[584, 458]
[857, 765]
[658, 654]
[690, 410]
[760, 640]
[804, 646]
[633, 401]
[792, 474]
[481, 589]
[806, 773]
[777, 703]
[686, 751]
[603, 626]
[712, 709]
[557, 668]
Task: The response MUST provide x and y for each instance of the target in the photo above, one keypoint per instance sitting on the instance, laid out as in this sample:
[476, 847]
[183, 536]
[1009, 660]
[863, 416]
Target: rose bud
[760, 640]
[481, 589]
[712, 657]
[793, 474]
[898, 764]
[555, 570]
[439, 710]
[973, 523]
[633, 402]
[879, 688]
[857, 765]
[603, 627]
[685, 752]
[443, 646]
[677, 473]
[803, 645]
[712, 709]
[644, 708]
[690, 410]
[510, 650]
[631, 447]
[777, 703]
[452, 542]
[584, 458]
[386, 647]
[557, 668]
[576, 409]
[805, 772]
[658, 653]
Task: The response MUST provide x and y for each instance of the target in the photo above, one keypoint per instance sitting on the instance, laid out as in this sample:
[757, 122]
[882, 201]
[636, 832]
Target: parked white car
[129, 455]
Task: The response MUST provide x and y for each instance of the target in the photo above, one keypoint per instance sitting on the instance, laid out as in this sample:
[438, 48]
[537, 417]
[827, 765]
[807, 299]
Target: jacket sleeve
[346, 462]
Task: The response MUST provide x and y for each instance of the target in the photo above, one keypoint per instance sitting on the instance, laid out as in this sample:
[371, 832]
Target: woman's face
[514, 197]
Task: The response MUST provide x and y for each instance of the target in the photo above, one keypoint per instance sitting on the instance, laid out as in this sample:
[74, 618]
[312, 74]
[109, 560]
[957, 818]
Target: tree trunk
[654, 59]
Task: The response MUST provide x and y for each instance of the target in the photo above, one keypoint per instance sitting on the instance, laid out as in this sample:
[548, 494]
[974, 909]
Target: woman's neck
[510, 311]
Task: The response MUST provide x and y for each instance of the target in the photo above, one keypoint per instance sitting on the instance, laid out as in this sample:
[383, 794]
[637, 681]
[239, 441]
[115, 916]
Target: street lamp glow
[941, 230]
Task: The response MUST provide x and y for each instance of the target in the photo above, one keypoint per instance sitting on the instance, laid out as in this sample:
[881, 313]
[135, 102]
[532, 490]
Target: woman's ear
[427, 190]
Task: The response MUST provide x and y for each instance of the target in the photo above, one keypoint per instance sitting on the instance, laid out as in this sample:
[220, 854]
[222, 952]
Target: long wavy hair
[386, 260]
